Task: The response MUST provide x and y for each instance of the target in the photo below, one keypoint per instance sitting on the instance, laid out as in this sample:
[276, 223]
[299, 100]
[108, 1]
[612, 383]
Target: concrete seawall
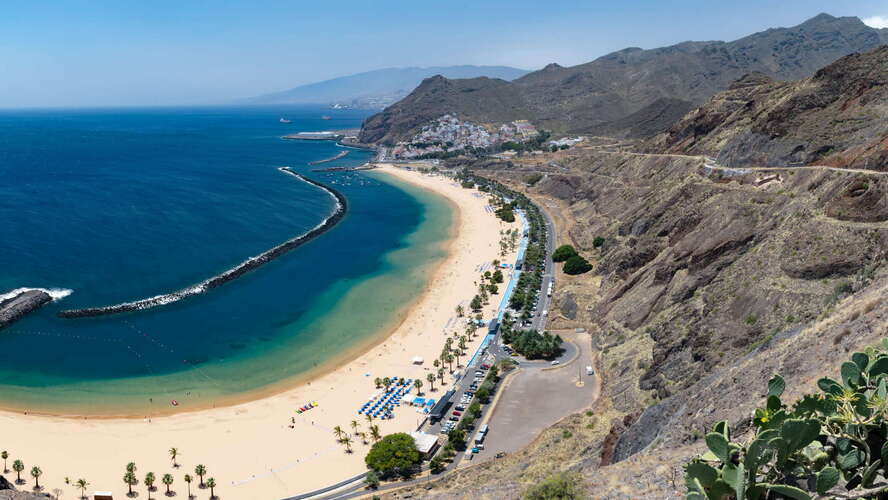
[220, 279]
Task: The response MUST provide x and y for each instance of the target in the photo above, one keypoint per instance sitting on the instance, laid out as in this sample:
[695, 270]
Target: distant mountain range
[380, 88]
[632, 92]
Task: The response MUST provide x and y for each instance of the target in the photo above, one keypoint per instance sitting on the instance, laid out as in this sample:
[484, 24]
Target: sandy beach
[253, 449]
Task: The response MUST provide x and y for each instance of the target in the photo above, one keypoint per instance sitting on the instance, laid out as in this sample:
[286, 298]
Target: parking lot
[538, 396]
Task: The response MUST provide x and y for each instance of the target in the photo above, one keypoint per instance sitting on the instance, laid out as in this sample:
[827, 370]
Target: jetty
[244, 267]
[14, 308]
[339, 155]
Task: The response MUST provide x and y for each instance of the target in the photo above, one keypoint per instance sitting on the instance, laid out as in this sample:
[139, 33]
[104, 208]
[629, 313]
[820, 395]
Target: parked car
[454, 418]
[459, 407]
[457, 413]
[556, 362]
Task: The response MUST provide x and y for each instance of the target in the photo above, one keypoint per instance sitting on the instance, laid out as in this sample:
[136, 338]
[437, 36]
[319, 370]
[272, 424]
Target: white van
[589, 370]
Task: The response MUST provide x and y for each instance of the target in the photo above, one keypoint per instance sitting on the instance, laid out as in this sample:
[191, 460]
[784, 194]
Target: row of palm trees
[18, 466]
[129, 477]
[346, 440]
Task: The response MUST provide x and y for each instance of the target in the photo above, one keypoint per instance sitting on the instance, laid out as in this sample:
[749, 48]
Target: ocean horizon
[105, 206]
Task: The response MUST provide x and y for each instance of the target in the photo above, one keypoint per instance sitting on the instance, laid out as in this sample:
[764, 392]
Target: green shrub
[533, 179]
[577, 265]
[827, 444]
[598, 242]
[563, 253]
[561, 486]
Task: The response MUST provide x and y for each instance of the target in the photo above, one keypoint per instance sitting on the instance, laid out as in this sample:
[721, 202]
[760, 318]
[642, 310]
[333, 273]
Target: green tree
[598, 242]
[475, 409]
[577, 265]
[557, 487]
[378, 382]
[497, 276]
[437, 465]
[418, 384]
[458, 438]
[394, 454]
[460, 311]
[347, 441]
[188, 480]
[36, 473]
[167, 481]
[149, 482]
[372, 480]
[4, 455]
[431, 379]
[174, 452]
[338, 431]
[374, 433]
[476, 303]
[211, 484]
[131, 467]
[82, 484]
[18, 466]
[563, 253]
[201, 471]
[130, 479]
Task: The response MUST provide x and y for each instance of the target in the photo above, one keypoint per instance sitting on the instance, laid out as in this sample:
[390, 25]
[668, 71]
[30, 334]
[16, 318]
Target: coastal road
[538, 322]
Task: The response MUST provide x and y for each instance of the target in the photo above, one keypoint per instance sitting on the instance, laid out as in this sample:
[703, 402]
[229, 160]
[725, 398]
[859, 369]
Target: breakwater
[14, 305]
[339, 155]
[244, 267]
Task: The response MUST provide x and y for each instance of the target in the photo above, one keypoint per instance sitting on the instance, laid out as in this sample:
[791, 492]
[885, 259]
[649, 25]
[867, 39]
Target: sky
[159, 52]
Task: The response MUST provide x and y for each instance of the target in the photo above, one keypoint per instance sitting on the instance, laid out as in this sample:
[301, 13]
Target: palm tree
[4, 455]
[440, 374]
[455, 355]
[386, 382]
[378, 382]
[201, 471]
[347, 441]
[174, 452]
[369, 418]
[449, 361]
[35, 473]
[130, 479]
[418, 384]
[149, 483]
[374, 433]
[82, 484]
[431, 379]
[211, 483]
[18, 466]
[436, 363]
[338, 431]
[354, 425]
[363, 436]
[188, 480]
[131, 467]
[167, 481]
[460, 311]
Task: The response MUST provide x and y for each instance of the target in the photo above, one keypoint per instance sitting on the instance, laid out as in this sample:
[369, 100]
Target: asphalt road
[538, 322]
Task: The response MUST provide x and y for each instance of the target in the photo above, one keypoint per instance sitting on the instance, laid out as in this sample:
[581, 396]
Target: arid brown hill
[600, 96]
[838, 117]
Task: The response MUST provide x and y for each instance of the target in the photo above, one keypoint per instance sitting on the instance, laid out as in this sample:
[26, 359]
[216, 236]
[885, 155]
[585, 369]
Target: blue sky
[158, 52]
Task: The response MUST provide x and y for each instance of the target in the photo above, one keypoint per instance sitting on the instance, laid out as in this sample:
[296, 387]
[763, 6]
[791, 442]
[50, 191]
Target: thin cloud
[876, 22]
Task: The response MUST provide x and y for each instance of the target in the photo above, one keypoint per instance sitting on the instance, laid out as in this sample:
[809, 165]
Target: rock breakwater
[244, 267]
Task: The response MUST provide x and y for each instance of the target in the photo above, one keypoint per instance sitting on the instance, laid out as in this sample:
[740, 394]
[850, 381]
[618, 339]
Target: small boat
[326, 117]
[174, 403]
[284, 120]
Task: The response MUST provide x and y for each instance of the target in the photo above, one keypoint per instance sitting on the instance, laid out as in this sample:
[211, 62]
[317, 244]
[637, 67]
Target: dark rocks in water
[14, 308]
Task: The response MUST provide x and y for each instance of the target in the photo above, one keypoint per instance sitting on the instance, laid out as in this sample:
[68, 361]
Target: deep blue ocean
[119, 205]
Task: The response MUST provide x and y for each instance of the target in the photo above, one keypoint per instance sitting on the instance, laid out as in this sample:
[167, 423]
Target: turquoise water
[121, 205]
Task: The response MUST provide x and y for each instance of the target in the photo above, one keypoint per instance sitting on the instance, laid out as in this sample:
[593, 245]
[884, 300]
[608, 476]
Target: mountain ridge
[377, 87]
[590, 97]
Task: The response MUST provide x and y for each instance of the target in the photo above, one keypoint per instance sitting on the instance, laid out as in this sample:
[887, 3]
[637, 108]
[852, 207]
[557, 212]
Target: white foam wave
[55, 293]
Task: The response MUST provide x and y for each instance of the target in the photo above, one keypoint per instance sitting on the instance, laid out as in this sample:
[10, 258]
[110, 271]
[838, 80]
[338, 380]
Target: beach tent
[409, 399]
[417, 360]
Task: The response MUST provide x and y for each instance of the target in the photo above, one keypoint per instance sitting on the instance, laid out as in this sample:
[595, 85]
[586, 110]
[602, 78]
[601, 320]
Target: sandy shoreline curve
[261, 448]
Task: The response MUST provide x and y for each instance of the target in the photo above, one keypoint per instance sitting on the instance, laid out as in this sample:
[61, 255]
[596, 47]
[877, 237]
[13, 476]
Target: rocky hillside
[610, 94]
[710, 279]
[838, 117]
